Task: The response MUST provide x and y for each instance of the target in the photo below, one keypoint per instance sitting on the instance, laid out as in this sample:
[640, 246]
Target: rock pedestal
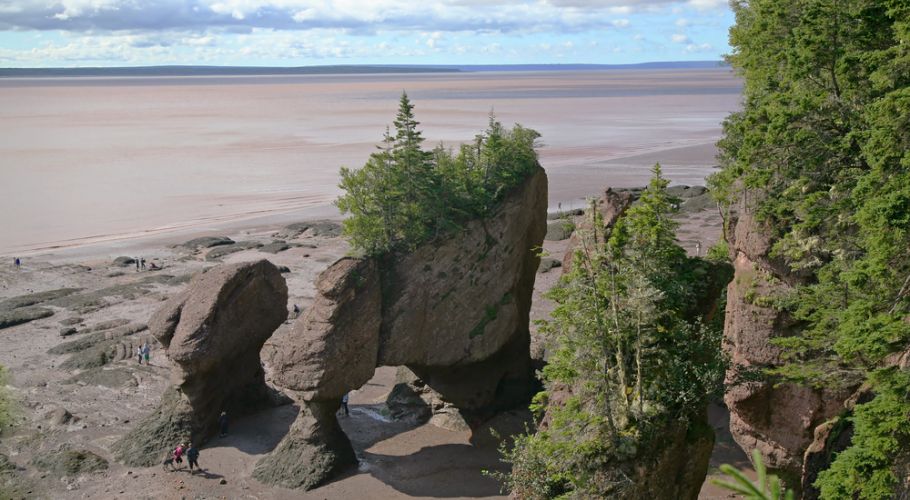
[455, 311]
[212, 332]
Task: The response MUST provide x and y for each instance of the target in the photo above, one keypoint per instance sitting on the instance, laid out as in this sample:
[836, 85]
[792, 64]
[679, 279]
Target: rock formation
[212, 332]
[778, 420]
[611, 204]
[454, 311]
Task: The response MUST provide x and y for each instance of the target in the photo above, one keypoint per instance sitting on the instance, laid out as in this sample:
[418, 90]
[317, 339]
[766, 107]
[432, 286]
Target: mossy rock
[36, 298]
[565, 214]
[559, 230]
[23, 315]
[275, 247]
[547, 263]
[698, 204]
[69, 461]
[112, 378]
[124, 261]
[208, 242]
[225, 250]
[156, 434]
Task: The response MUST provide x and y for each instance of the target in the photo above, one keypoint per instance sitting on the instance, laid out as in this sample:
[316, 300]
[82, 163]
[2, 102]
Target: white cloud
[621, 23]
[708, 4]
[443, 15]
[700, 47]
[680, 38]
[682, 22]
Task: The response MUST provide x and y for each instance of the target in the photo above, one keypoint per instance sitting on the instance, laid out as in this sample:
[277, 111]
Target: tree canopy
[405, 195]
[821, 152]
[630, 354]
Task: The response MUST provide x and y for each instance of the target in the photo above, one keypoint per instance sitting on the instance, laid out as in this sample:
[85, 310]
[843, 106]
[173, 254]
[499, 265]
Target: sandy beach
[110, 160]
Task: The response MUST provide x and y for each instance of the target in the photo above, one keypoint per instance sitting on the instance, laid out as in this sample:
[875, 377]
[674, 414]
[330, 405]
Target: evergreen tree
[404, 196]
[629, 358]
[821, 151]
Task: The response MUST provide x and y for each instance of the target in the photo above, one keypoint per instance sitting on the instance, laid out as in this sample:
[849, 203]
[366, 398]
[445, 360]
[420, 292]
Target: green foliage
[719, 252]
[881, 432]
[7, 406]
[820, 152]
[404, 195]
[766, 487]
[630, 355]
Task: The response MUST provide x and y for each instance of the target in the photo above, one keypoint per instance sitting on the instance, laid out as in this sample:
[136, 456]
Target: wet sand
[113, 160]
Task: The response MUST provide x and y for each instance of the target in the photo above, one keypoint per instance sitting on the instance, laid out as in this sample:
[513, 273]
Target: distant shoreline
[149, 71]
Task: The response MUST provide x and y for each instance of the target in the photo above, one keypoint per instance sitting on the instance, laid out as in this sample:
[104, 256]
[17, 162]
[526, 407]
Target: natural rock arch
[454, 311]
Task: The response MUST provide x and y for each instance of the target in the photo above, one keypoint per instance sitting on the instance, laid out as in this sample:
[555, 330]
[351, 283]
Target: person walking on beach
[178, 453]
[344, 405]
[142, 263]
[18, 263]
[137, 264]
[139, 354]
[223, 423]
[192, 457]
[146, 352]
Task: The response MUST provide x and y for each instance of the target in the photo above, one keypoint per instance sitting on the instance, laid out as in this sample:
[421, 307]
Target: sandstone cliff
[778, 420]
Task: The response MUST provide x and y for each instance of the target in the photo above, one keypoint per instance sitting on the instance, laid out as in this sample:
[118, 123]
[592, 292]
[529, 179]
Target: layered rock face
[780, 420]
[455, 311]
[212, 332]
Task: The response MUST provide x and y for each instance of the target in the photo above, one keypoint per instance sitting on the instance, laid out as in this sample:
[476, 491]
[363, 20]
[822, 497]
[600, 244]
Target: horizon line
[223, 70]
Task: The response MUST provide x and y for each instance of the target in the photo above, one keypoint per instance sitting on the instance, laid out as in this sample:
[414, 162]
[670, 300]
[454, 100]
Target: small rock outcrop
[212, 332]
[454, 311]
[611, 204]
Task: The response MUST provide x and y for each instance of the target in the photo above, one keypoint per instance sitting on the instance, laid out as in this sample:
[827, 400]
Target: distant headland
[151, 71]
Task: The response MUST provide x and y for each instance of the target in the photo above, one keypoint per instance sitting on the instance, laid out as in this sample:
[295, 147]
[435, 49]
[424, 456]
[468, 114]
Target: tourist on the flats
[223, 423]
[192, 456]
[178, 453]
[344, 405]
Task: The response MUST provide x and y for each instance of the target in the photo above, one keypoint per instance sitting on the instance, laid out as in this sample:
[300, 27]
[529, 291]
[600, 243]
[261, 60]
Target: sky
[71, 33]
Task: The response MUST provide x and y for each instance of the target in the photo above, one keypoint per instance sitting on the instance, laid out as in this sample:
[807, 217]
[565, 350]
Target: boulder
[559, 230]
[322, 228]
[208, 242]
[212, 332]
[547, 263]
[275, 247]
[124, 261]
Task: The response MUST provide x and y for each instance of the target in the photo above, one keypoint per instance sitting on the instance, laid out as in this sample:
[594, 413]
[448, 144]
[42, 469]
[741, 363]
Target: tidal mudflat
[113, 161]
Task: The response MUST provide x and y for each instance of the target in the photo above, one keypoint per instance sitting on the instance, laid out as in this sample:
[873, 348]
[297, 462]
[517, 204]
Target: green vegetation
[6, 403]
[821, 153]
[631, 359]
[405, 195]
[766, 487]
